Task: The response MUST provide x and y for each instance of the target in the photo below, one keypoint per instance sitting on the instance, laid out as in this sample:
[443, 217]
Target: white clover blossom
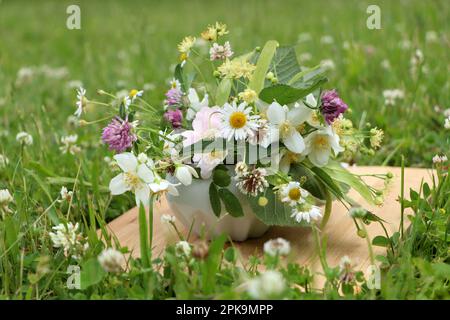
[183, 248]
[65, 194]
[68, 144]
[68, 237]
[447, 123]
[112, 260]
[5, 200]
[219, 52]
[24, 138]
[167, 218]
[269, 284]
[392, 95]
[438, 159]
[277, 246]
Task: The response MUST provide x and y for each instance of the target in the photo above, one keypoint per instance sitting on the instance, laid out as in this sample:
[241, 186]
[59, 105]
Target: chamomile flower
[237, 121]
[81, 101]
[134, 93]
[307, 213]
[293, 194]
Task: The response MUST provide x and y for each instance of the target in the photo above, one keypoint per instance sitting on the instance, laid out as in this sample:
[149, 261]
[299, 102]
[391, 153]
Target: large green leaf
[285, 64]
[231, 203]
[338, 173]
[306, 77]
[91, 273]
[223, 91]
[285, 94]
[214, 199]
[262, 66]
[275, 213]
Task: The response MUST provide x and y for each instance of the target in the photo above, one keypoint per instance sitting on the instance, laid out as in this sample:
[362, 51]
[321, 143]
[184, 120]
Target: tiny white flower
[195, 104]
[267, 285]
[345, 263]
[313, 213]
[437, 159]
[69, 144]
[183, 248]
[4, 161]
[277, 246]
[65, 194]
[167, 218]
[5, 200]
[24, 138]
[237, 122]
[392, 95]
[328, 64]
[293, 194]
[327, 39]
[81, 101]
[135, 178]
[160, 185]
[320, 144]
[68, 237]
[112, 260]
[447, 123]
[184, 174]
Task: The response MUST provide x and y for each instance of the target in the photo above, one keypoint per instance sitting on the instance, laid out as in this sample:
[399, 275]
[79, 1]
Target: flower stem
[327, 213]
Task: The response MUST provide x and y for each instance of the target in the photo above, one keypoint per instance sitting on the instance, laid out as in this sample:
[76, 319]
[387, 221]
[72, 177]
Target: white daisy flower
[308, 215]
[135, 93]
[284, 124]
[319, 145]
[174, 83]
[126, 101]
[195, 104]
[24, 138]
[135, 178]
[293, 194]
[237, 121]
[277, 246]
[81, 101]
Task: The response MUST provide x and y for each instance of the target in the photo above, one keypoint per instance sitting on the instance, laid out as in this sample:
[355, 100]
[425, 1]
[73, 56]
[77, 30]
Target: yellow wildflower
[186, 44]
[248, 95]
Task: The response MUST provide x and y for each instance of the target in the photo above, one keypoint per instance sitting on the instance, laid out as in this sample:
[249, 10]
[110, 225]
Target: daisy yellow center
[238, 120]
[294, 194]
[133, 92]
[132, 180]
[321, 142]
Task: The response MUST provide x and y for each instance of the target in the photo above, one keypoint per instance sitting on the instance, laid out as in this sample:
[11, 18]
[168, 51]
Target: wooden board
[340, 230]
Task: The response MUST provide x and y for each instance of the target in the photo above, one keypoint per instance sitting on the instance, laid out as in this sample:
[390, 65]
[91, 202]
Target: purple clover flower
[332, 106]
[173, 96]
[175, 117]
[118, 135]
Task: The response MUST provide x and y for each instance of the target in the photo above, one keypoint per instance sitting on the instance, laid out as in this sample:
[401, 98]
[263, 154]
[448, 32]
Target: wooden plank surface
[340, 230]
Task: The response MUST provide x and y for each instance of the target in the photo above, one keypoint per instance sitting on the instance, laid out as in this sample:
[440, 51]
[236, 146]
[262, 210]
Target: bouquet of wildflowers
[257, 121]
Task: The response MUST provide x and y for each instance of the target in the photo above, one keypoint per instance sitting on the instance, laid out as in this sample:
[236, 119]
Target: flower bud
[200, 249]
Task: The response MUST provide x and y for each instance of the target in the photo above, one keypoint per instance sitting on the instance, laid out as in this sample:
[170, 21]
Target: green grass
[124, 45]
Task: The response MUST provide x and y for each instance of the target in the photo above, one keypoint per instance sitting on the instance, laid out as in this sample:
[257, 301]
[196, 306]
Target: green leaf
[212, 264]
[275, 213]
[285, 94]
[221, 178]
[230, 254]
[91, 273]
[306, 77]
[312, 184]
[326, 179]
[336, 172]
[380, 241]
[143, 237]
[231, 203]
[214, 199]
[262, 66]
[223, 91]
[285, 64]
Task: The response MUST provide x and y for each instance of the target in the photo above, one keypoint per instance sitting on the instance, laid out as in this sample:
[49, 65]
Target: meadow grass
[132, 44]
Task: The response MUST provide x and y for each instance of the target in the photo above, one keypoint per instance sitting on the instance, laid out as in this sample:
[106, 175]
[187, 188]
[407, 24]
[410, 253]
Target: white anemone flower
[319, 145]
[135, 178]
[195, 104]
[81, 101]
[237, 121]
[293, 194]
[285, 122]
[184, 174]
[313, 213]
